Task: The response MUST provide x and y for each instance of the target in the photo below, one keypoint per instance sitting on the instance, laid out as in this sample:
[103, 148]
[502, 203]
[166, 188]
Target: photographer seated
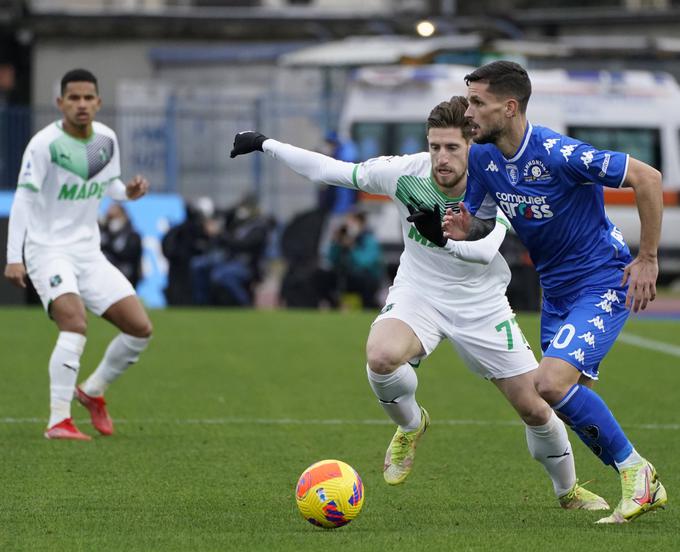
[356, 266]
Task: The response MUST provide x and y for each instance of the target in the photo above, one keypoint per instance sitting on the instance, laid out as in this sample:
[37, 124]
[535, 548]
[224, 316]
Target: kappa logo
[513, 173]
[598, 323]
[578, 355]
[611, 296]
[492, 167]
[587, 158]
[567, 150]
[589, 338]
[617, 235]
[606, 306]
[549, 143]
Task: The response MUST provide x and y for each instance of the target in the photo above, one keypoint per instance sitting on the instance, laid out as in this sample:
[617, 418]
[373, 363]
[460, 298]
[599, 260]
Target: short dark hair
[78, 75]
[505, 78]
[451, 114]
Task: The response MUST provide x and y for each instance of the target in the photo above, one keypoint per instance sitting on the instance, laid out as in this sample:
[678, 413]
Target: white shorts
[487, 338]
[55, 272]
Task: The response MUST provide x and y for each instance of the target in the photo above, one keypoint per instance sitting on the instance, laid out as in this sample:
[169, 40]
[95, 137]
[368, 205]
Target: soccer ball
[329, 494]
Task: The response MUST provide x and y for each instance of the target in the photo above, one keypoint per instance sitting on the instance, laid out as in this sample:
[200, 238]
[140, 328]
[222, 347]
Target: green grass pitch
[226, 409]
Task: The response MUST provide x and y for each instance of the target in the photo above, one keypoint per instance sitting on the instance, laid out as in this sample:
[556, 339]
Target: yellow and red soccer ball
[329, 494]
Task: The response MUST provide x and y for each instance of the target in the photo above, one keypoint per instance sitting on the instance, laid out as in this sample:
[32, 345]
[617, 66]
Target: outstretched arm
[316, 167]
[641, 274]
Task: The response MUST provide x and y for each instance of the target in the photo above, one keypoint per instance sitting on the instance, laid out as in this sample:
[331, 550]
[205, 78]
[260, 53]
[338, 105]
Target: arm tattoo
[480, 228]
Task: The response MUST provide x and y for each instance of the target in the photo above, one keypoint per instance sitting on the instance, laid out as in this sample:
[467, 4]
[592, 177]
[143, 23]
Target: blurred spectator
[227, 273]
[524, 290]
[185, 241]
[121, 245]
[356, 263]
[300, 249]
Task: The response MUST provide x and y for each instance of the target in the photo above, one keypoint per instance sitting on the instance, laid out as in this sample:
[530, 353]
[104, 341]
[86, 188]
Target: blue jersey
[551, 190]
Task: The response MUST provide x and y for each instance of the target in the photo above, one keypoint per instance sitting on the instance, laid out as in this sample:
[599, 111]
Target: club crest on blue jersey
[513, 173]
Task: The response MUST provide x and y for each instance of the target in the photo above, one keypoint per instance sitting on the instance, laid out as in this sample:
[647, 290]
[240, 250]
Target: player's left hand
[136, 187]
[428, 222]
[641, 276]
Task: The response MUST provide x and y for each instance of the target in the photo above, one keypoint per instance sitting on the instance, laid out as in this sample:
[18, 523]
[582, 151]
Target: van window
[370, 139]
[410, 138]
[642, 143]
[375, 139]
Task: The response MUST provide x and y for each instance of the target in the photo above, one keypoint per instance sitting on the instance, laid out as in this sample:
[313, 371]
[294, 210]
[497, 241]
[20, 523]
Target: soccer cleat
[97, 406]
[402, 451]
[66, 430]
[580, 498]
[642, 492]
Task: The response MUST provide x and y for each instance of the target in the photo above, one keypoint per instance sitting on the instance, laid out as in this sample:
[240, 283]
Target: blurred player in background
[442, 290]
[67, 168]
[550, 187]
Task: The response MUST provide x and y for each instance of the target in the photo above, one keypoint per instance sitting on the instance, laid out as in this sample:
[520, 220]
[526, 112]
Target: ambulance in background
[636, 112]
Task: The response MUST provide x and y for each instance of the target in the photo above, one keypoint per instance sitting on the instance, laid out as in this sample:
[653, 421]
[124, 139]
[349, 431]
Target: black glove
[428, 222]
[247, 141]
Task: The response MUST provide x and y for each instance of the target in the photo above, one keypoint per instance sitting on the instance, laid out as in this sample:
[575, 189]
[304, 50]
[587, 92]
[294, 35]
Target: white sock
[549, 444]
[63, 367]
[123, 350]
[397, 395]
[632, 459]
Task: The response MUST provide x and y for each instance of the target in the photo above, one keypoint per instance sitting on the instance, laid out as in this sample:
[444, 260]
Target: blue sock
[594, 423]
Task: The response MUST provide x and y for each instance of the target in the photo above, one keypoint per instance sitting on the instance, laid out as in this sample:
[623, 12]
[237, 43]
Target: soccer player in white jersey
[66, 169]
[442, 290]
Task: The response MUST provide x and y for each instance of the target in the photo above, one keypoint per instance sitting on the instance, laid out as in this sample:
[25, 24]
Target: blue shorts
[581, 328]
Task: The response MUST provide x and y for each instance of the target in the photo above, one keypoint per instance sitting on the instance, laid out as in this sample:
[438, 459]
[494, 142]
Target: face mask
[116, 225]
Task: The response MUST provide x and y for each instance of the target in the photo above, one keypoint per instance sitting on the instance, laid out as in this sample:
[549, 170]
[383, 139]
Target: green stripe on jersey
[70, 154]
[423, 191]
[503, 222]
[354, 176]
[28, 186]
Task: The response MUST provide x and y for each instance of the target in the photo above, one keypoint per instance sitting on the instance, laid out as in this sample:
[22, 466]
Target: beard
[491, 136]
[451, 180]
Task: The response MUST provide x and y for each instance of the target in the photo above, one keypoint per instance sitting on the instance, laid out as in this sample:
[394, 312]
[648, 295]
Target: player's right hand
[16, 273]
[246, 142]
[456, 226]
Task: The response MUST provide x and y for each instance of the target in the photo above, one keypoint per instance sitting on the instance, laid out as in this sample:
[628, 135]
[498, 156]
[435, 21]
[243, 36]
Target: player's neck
[81, 132]
[511, 140]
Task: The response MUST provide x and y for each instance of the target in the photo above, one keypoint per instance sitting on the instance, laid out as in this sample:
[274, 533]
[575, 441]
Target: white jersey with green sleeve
[441, 276]
[64, 179]
[461, 273]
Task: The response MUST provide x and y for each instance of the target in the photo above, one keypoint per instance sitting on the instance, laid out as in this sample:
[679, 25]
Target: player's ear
[511, 108]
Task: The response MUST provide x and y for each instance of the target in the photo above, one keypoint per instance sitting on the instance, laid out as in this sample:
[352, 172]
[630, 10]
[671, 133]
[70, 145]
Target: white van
[637, 112]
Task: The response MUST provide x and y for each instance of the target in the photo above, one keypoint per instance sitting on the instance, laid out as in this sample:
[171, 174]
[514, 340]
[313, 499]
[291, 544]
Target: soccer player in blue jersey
[550, 187]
